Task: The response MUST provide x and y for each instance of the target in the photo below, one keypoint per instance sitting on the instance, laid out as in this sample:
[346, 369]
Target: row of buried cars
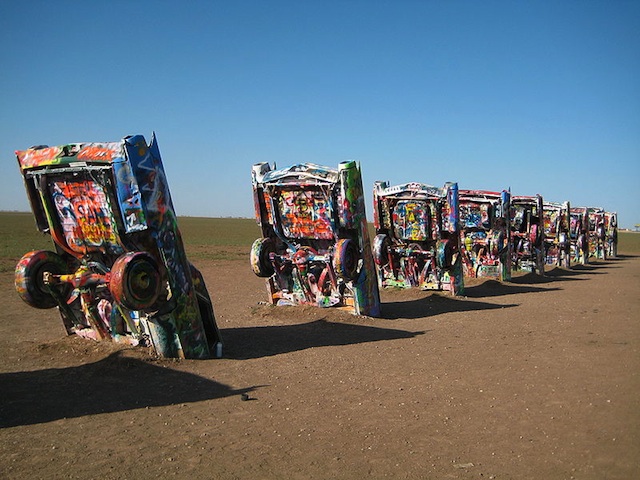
[119, 271]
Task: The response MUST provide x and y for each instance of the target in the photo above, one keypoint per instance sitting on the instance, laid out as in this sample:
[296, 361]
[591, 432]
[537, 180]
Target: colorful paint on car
[611, 229]
[597, 233]
[417, 241]
[557, 242]
[315, 247]
[485, 235]
[527, 234]
[119, 271]
[579, 234]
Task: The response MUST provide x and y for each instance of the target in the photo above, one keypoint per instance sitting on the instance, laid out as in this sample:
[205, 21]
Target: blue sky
[539, 96]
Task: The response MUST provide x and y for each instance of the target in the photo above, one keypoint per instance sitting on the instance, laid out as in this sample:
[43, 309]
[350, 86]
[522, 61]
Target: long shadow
[590, 268]
[493, 288]
[555, 275]
[257, 342]
[564, 273]
[434, 305]
[113, 384]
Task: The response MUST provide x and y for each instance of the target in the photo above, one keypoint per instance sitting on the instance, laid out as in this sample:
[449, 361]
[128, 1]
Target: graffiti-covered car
[527, 233]
[485, 233]
[118, 271]
[557, 244]
[417, 241]
[597, 233]
[611, 230]
[315, 247]
[579, 234]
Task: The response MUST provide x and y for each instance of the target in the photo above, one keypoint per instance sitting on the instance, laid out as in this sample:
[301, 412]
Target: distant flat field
[212, 238]
[204, 238]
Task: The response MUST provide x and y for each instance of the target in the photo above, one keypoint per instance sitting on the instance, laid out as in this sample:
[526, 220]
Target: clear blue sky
[539, 96]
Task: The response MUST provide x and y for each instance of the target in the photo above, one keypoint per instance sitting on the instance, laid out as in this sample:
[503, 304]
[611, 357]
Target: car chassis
[527, 227]
[315, 247]
[417, 241]
[485, 233]
[119, 271]
[557, 242]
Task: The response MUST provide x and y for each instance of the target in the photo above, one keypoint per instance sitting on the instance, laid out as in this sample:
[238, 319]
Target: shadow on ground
[114, 384]
[256, 342]
[494, 288]
[556, 274]
[434, 305]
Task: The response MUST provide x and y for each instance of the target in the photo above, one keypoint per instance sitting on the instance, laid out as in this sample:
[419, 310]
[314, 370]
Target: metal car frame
[527, 233]
[611, 229]
[579, 234]
[417, 241]
[119, 271]
[557, 244]
[597, 233]
[485, 233]
[315, 247]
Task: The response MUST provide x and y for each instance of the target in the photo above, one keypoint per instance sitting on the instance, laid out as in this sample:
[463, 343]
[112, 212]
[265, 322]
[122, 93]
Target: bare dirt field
[537, 378]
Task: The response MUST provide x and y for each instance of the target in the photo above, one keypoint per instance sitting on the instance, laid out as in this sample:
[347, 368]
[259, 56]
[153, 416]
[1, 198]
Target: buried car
[578, 234]
[315, 247]
[417, 241]
[527, 234]
[597, 232]
[611, 230]
[485, 233]
[557, 245]
[119, 271]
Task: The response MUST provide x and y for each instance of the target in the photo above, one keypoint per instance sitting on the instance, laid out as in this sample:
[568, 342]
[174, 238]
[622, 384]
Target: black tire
[135, 281]
[444, 254]
[345, 259]
[29, 279]
[381, 247]
[260, 253]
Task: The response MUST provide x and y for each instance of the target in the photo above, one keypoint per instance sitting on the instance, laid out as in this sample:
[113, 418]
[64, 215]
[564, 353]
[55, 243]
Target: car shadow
[494, 288]
[113, 384]
[434, 305]
[592, 268]
[555, 275]
[264, 341]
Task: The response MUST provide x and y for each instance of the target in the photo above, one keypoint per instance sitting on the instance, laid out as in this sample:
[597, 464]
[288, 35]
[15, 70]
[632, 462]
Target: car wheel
[444, 254]
[381, 246]
[260, 253]
[29, 278]
[345, 259]
[135, 280]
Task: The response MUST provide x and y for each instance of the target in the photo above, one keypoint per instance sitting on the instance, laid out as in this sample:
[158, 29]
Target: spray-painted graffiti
[527, 234]
[485, 234]
[417, 241]
[611, 229]
[597, 233]
[557, 242]
[84, 214]
[119, 271]
[315, 247]
[306, 214]
[579, 234]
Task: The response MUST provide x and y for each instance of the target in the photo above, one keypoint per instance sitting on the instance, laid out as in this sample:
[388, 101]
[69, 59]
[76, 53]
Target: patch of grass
[204, 238]
[218, 232]
[19, 235]
[628, 242]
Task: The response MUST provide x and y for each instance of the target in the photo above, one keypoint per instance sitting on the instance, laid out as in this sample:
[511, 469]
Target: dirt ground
[537, 378]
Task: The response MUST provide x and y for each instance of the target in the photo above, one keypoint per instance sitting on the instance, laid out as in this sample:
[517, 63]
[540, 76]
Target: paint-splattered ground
[531, 379]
